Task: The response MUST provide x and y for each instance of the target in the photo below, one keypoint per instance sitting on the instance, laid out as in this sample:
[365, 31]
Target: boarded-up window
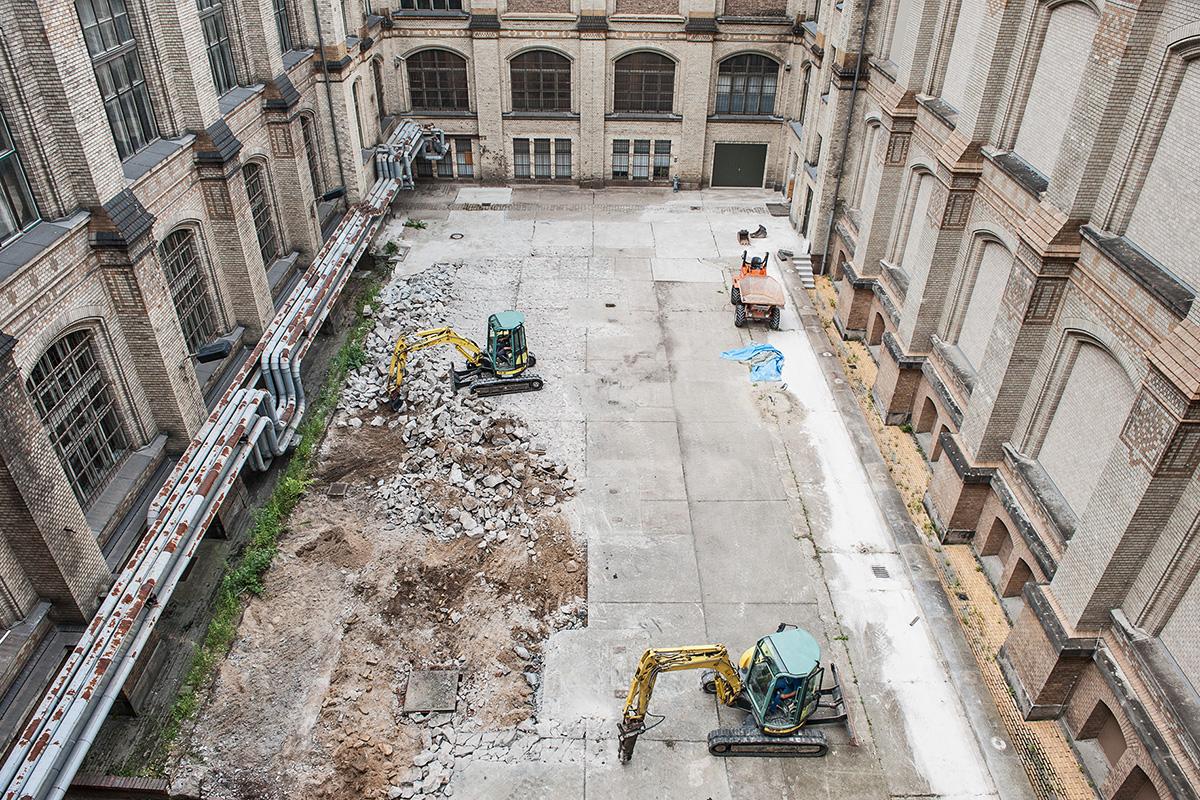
[918, 235]
[992, 262]
[1056, 79]
[903, 35]
[1089, 415]
[1171, 185]
[1179, 634]
[962, 52]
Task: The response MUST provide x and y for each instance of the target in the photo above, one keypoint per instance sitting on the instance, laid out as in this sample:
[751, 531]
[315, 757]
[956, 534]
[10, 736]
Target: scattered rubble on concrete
[451, 547]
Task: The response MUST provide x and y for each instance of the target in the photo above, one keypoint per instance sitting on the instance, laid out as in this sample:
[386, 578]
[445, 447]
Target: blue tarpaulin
[766, 362]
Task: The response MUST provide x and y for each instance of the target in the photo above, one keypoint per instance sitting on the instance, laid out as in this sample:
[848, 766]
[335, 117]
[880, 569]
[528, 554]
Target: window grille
[562, 158]
[644, 82]
[746, 85]
[620, 167]
[541, 81]
[520, 158]
[437, 81]
[463, 158]
[180, 259]
[260, 208]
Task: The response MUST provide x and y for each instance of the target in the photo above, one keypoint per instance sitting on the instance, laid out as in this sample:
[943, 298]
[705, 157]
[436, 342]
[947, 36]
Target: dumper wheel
[735, 295]
[773, 320]
[531, 361]
[739, 315]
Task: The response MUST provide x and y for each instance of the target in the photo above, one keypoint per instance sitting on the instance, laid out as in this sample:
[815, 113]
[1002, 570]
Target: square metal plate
[431, 690]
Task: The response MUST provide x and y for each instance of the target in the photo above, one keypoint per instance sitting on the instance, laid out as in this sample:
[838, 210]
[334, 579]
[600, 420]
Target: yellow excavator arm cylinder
[672, 659]
[428, 338]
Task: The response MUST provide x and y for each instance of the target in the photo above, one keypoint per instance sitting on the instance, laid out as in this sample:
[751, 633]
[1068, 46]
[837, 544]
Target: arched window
[437, 81]
[355, 92]
[377, 76]
[72, 398]
[17, 209]
[259, 194]
[1063, 57]
[1094, 401]
[746, 85]
[644, 82]
[990, 264]
[541, 81]
[180, 258]
[308, 128]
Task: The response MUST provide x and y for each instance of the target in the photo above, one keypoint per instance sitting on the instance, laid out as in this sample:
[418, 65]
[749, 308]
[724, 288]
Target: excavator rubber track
[486, 387]
[749, 741]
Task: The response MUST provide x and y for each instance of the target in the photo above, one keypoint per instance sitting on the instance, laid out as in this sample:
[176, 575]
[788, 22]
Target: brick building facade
[1001, 190]
[1015, 240]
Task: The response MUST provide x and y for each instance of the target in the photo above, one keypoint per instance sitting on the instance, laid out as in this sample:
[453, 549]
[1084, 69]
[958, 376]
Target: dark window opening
[437, 81]
[18, 211]
[260, 209]
[541, 81]
[746, 84]
[521, 158]
[216, 42]
[126, 97]
[644, 83]
[180, 259]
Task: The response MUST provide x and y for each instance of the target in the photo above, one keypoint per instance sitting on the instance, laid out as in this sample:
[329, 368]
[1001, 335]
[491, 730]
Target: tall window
[562, 158]
[644, 82]
[437, 81]
[260, 208]
[521, 158]
[463, 160]
[216, 41]
[541, 81]
[641, 159]
[123, 88]
[283, 25]
[431, 5]
[805, 85]
[541, 158]
[308, 128]
[377, 76]
[355, 91]
[17, 209]
[746, 85]
[73, 400]
[662, 159]
[620, 167]
[180, 261]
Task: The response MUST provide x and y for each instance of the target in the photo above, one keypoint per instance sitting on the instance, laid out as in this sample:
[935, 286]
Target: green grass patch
[244, 576]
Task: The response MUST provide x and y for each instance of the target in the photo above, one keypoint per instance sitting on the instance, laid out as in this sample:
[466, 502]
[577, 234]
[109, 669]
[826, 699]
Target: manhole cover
[337, 489]
[431, 690]
[880, 571]
[456, 236]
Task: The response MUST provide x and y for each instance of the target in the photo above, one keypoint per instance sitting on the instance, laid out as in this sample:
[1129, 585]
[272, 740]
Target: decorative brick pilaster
[39, 515]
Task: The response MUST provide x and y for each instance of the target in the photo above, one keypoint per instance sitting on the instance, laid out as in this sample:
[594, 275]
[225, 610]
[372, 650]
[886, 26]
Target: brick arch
[998, 542]
[928, 416]
[1136, 786]
[877, 329]
[1103, 726]
[1020, 575]
[533, 48]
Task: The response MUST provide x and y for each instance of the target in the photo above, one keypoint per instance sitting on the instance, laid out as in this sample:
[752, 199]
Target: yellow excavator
[779, 681]
[501, 368]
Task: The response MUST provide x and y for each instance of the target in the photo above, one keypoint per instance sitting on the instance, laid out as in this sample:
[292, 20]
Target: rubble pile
[467, 467]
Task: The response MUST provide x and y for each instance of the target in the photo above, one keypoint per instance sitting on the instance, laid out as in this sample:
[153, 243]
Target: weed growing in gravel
[247, 569]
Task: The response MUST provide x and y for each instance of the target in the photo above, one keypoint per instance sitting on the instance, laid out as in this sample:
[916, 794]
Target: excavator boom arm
[429, 338]
[672, 659]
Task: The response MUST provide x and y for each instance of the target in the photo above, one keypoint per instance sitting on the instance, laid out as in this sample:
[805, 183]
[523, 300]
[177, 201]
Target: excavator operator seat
[783, 679]
[506, 342]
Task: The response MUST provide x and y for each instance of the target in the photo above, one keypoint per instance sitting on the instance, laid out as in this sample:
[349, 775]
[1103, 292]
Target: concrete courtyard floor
[713, 509]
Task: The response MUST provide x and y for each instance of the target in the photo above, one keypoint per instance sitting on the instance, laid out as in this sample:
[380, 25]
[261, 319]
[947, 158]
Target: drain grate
[880, 571]
[337, 489]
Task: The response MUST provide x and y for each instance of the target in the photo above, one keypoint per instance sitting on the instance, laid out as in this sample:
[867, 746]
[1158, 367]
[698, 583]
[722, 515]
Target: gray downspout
[837, 187]
[337, 148]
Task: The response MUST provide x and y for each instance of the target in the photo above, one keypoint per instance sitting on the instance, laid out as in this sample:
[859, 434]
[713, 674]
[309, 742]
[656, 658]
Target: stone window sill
[127, 481]
[632, 116]
[560, 115]
[1035, 480]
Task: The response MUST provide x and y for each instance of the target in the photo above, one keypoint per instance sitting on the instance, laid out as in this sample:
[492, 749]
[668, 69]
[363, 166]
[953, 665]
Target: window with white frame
[216, 42]
[18, 211]
[114, 53]
[180, 259]
[72, 398]
[259, 194]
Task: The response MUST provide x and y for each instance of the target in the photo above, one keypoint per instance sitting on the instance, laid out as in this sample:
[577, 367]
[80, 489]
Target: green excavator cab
[506, 343]
[783, 680]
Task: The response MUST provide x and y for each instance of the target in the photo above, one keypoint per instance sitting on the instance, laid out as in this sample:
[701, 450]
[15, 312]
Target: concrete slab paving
[697, 493]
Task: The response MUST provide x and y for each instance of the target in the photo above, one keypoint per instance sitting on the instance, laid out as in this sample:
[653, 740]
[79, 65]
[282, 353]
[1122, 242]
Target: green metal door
[739, 165]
